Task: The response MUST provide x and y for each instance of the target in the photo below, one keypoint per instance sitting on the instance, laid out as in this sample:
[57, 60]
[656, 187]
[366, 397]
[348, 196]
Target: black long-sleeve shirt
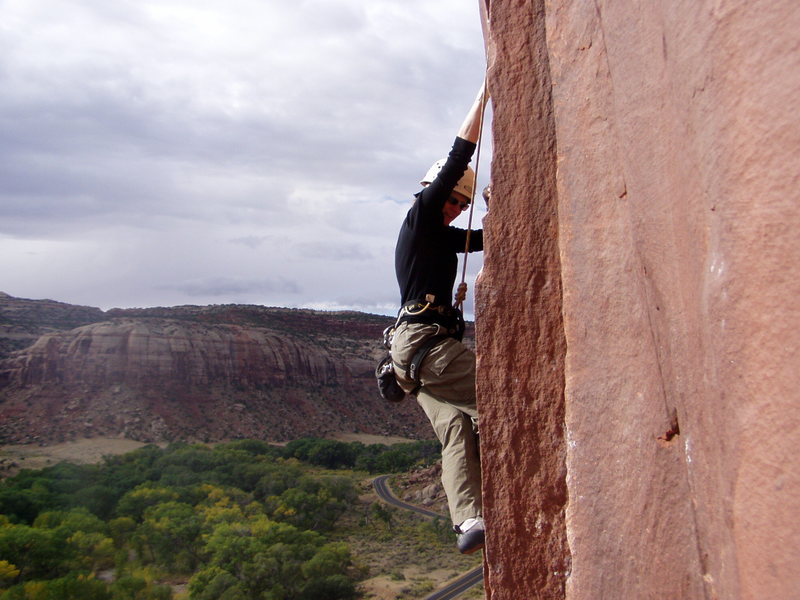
[426, 255]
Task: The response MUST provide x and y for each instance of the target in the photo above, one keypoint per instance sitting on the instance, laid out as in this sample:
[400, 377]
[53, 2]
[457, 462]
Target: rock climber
[426, 265]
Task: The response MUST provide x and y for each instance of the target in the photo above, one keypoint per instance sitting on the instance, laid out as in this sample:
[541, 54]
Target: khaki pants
[448, 398]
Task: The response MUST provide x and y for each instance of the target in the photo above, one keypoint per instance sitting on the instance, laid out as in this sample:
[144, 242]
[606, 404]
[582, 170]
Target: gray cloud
[334, 252]
[227, 286]
[251, 150]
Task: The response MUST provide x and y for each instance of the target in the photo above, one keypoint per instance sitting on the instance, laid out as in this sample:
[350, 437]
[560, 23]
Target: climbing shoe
[471, 535]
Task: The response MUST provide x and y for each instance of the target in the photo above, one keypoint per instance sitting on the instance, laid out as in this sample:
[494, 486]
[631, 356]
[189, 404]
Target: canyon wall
[637, 313]
[193, 373]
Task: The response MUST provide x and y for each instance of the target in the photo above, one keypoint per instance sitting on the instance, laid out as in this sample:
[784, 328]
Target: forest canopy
[243, 519]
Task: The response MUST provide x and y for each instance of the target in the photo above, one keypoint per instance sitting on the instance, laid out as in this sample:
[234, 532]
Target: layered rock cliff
[637, 320]
[195, 373]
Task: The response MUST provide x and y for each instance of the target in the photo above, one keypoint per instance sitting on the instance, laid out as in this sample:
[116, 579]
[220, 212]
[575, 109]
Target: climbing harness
[448, 319]
[449, 323]
[385, 374]
[461, 292]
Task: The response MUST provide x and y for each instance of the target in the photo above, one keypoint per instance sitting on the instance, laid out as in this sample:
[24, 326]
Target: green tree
[93, 551]
[332, 559]
[124, 472]
[278, 481]
[225, 505]
[121, 530]
[186, 465]
[8, 574]
[367, 460]
[299, 449]
[308, 510]
[69, 587]
[382, 513]
[395, 460]
[37, 553]
[137, 501]
[266, 557]
[333, 587]
[67, 522]
[137, 588]
[215, 583]
[332, 454]
[23, 497]
[83, 536]
[172, 530]
[98, 499]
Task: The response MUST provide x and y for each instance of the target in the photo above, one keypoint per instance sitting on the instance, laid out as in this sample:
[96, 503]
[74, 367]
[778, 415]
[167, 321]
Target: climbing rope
[461, 292]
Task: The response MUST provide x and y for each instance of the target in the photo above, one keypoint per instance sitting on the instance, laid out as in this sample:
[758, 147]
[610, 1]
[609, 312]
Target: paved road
[382, 488]
[455, 588]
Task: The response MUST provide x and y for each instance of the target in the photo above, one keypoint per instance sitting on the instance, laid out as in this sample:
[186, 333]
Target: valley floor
[408, 560]
[92, 450]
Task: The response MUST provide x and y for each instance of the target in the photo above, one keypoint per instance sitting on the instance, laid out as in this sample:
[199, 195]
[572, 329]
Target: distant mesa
[196, 373]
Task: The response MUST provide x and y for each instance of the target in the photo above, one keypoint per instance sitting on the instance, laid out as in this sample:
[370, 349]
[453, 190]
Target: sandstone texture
[195, 373]
[637, 314]
[519, 332]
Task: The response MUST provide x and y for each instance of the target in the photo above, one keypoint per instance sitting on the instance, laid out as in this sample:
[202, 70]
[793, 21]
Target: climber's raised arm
[470, 128]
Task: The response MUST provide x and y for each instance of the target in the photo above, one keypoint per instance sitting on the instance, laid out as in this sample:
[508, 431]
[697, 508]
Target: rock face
[194, 373]
[22, 321]
[637, 320]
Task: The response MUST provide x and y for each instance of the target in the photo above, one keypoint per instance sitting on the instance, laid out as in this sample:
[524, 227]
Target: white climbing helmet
[464, 185]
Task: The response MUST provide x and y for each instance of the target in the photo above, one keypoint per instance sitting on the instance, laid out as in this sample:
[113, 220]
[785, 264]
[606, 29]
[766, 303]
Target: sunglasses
[453, 200]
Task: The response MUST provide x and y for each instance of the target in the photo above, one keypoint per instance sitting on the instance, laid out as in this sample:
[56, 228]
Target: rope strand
[461, 294]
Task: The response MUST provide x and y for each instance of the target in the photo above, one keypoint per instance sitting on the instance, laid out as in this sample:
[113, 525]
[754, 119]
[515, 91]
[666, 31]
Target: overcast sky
[167, 152]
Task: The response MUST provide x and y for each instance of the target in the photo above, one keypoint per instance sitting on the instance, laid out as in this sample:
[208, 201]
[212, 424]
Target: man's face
[453, 207]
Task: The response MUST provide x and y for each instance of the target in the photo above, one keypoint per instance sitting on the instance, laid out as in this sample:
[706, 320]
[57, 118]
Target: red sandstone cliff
[194, 373]
[637, 320]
